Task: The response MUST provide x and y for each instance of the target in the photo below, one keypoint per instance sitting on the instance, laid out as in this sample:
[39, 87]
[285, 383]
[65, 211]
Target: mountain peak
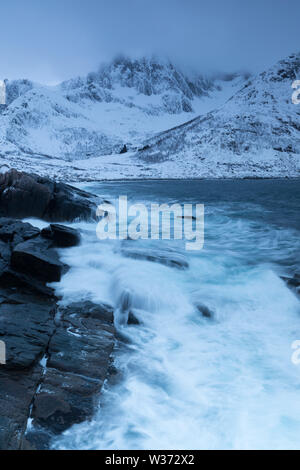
[255, 133]
[146, 76]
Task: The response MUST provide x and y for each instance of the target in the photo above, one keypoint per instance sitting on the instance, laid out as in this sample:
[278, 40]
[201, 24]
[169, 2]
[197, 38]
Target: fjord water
[182, 380]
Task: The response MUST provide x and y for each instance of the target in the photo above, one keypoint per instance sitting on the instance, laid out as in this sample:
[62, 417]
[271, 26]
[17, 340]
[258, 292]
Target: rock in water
[293, 282]
[205, 311]
[25, 195]
[61, 236]
[132, 319]
[167, 257]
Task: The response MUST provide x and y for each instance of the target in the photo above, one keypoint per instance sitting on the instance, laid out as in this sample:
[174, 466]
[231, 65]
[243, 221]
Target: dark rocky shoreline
[29, 195]
[57, 357]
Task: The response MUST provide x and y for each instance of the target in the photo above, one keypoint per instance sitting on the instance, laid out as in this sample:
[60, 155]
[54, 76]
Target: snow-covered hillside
[125, 102]
[256, 133]
[174, 125]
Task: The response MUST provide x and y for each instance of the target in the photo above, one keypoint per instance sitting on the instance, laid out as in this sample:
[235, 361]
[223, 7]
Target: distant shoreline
[124, 180]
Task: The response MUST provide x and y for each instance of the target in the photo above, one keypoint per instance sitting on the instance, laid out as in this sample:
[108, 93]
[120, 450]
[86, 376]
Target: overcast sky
[52, 40]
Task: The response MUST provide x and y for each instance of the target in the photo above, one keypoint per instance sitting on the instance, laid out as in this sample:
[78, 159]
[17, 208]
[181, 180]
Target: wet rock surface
[77, 364]
[133, 319]
[57, 358]
[293, 282]
[28, 195]
[16, 391]
[61, 236]
[37, 258]
[166, 257]
[15, 231]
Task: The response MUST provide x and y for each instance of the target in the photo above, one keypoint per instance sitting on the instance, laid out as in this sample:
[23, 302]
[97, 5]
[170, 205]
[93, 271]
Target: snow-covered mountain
[255, 133]
[130, 82]
[125, 102]
[174, 124]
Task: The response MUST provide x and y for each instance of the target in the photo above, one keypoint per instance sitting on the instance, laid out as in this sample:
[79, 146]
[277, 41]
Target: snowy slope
[255, 133]
[41, 121]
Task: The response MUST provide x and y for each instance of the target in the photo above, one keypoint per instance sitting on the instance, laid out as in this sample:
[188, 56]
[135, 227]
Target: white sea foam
[189, 382]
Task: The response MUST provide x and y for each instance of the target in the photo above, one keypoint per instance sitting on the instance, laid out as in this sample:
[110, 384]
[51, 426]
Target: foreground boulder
[38, 259]
[27, 261]
[61, 236]
[28, 195]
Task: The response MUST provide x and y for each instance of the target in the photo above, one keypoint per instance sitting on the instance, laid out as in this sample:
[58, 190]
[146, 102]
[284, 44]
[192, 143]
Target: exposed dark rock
[25, 195]
[65, 399]
[293, 282]
[61, 235]
[63, 392]
[16, 280]
[124, 149]
[169, 258]
[17, 389]
[79, 359]
[132, 319]
[55, 363]
[205, 311]
[4, 251]
[25, 329]
[16, 275]
[11, 295]
[15, 231]
[27, 310]
[87, 328]
[38, 259]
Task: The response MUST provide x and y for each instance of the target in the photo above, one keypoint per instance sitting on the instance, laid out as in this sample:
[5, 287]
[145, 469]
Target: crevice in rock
[38, 387]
